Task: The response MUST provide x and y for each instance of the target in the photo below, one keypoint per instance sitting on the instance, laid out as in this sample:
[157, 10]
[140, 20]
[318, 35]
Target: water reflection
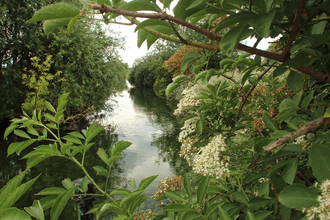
[147, 121]
[138, 116]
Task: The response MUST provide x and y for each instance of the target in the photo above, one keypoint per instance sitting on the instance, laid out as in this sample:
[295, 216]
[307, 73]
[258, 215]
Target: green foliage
[86, 63]
[256, 137]
[68, 147]
[37, 81]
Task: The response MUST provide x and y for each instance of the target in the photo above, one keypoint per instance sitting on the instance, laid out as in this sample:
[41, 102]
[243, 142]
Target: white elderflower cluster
[322, 211]
[211, 161]
[188, 128]
[189, 100]
[188, 149]
[300, 140]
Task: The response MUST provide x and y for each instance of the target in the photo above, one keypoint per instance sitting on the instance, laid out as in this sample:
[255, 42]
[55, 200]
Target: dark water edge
[157, 131]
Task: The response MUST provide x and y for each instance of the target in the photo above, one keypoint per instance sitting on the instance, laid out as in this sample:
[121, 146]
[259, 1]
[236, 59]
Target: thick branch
[294, 29]
[309, 127]
[163, 16]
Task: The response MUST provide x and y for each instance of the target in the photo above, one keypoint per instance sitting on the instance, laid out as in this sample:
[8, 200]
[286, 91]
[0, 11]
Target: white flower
[211, 161]
[323, 210]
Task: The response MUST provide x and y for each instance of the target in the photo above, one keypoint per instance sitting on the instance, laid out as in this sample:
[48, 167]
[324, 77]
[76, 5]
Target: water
[138, 116]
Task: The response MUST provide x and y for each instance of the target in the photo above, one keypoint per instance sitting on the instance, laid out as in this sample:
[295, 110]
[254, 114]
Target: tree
[91, 71]
[257, 144]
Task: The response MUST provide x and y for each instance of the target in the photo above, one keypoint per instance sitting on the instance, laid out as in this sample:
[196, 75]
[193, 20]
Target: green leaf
[55, 11]
[147, 181]
[298, 197]
[151, 22]
[200, 75]
[289, 173]
[261, 25]
[187, 186]
[250, 216]
[285, 212]
[76, 134]
[10, 186]
[102, 155]
[92, 133]
[319, 158]
[67, 183]
[142, 36]
[140, 6]
[279, 71]
[32, 131]
[22, 134]
[191, 215]
[16, 194]
[175, 207]
[174, 196]
[297, 98]
[71, 23]
[186, 63]
[275, 168]
[123, 192]
[230, 41]
[47, 202]
[51, 191]
[199, 125]
[36, 159]
[62, 100]
[73, 139]
[269, 122]
[259, 6]
[297, 61]
[50, 107]
[201, 189]
[60, 203]
[18, 147]
[9, 129]
[108, 208]
[257, 203]
[50, 117]
[107, 2]
[223, 214]
[36, 210]
[84, 184]
[101, 171]
[120, 147]
[295, 81]
[307, 100]
[132, 183]
[171, 87]
[14, 213]
[319, 27]
[51, 25]
[263, 190]
[244, 16]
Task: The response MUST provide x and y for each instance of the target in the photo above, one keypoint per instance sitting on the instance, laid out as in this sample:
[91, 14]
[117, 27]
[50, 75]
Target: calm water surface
[138, 116]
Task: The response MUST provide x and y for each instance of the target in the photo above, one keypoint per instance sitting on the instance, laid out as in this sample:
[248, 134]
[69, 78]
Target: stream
[136, 115]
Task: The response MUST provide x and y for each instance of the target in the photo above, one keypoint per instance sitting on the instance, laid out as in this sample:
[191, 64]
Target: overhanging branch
[163, 16]
[309, 127]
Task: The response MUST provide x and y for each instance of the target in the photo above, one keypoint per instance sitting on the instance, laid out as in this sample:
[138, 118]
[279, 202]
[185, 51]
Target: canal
[136, 115]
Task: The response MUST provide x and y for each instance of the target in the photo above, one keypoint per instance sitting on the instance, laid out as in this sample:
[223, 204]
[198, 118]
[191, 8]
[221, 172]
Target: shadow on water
[136, 115]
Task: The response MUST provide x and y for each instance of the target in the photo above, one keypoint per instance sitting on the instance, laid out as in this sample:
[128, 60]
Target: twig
[294, 29]
[252, 88]
[304, 178]
[309, 127]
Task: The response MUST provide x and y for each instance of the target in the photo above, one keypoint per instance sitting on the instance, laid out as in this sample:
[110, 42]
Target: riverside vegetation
[257, 139]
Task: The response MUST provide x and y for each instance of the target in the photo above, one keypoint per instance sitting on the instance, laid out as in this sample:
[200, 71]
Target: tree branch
[252, 88]
[309, 127]
[103, 8]
[294, 29]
